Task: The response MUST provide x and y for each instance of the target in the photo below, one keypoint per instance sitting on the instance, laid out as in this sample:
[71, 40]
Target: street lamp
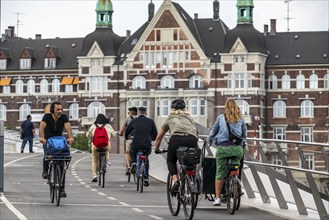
[216, 60]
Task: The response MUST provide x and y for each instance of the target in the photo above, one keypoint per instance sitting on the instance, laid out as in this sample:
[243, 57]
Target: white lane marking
[77, 177]
[111, 198]
[101, 194]
[83, 183]
[12, 208]
[95, 190]
[137, 210]
[87, 186]
[122, 186]
[7, 164]
[123, 203]
[80, 180]
[155, 217]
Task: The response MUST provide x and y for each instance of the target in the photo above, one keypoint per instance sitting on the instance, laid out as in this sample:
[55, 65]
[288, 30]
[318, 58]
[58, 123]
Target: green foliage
[81, 142]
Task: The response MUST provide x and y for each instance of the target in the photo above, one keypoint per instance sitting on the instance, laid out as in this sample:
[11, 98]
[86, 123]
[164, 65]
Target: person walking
[142, 131]
[101, 121]
[132, 113]
[51, 125]
[219, 138]
[183, 132]
[28, 130]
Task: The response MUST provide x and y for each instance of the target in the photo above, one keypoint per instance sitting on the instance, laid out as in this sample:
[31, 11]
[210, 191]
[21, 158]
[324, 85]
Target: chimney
[273, 27]
[195, 16]
[128, 32]
[8, 33]
[216, 10]
[38, 36]
[12, 29]
[265, 29]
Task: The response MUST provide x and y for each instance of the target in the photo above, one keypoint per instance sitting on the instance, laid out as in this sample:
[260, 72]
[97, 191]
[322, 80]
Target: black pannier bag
[232, 137]
[188, 156]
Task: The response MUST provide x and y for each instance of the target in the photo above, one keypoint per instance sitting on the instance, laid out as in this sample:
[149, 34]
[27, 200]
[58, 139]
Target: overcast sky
[77, 18]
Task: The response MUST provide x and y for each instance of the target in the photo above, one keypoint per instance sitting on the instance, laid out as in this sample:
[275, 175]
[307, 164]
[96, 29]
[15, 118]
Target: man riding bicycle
[183, 133]
[143, 131]
[51, 125]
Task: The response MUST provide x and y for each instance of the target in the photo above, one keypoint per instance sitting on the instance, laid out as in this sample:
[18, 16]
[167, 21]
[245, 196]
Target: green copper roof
[104, 12]
[245, 11]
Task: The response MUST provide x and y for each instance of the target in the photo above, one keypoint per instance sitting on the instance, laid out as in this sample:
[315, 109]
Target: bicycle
[189, 186]
[232, 187]
[141, 170]
[56, 175]
[102, 166]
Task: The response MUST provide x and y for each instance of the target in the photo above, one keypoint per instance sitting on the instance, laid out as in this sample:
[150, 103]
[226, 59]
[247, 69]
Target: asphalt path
[26, 194]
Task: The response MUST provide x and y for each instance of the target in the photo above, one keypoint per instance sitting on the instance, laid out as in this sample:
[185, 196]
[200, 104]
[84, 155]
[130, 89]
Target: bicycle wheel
[51, 182]
[238, 202]
[196, 186]
[104, 170]
[142, 176]
[172, 198]
[100, 170]
[188, 198]
[58, 183]
[232, 195]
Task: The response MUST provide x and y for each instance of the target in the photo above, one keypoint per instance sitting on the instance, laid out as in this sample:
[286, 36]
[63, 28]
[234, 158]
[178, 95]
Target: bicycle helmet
[178, 104]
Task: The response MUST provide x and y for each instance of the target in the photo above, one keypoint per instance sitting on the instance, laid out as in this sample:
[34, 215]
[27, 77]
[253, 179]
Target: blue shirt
[219, 132]
[27, 127]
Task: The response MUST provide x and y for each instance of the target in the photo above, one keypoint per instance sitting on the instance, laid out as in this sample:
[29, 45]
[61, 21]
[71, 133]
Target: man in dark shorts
[51, 125]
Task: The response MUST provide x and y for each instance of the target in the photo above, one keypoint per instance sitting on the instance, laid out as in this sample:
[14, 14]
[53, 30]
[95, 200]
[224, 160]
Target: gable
[95, 51]
[167, 20]
[238, 47]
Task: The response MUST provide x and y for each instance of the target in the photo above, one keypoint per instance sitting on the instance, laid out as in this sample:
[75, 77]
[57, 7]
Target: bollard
[2, 151]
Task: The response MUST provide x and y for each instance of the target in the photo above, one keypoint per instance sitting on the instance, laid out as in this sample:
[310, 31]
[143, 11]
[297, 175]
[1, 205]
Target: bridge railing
[257, 162]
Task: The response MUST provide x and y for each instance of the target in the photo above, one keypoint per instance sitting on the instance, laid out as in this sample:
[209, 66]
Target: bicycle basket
[57, 146]
[188, 156]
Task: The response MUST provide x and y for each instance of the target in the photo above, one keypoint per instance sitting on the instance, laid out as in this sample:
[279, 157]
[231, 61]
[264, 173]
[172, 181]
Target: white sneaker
[109, 163]
[216, 202]
[94, 179]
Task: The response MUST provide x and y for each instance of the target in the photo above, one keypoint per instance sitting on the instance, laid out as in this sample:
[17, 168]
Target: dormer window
[25, 64]
[50, 63]
[3, 64]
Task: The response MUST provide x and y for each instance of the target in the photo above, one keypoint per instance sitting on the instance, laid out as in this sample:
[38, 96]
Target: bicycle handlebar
[161, 151]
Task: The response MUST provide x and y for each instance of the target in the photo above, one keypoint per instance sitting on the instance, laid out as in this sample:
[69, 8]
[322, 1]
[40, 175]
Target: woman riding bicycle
[100, 121]
[183, 133]
[218, 138]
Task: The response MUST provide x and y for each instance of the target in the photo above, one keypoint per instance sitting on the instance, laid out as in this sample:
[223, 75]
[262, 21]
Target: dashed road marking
[155, 217]
[111, 198]
[137, 210]
[123, 203]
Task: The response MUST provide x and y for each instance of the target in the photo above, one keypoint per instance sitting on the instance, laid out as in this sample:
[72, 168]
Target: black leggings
[175, 142]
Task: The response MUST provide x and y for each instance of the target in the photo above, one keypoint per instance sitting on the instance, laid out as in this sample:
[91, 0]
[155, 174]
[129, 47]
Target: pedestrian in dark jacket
[27, 128]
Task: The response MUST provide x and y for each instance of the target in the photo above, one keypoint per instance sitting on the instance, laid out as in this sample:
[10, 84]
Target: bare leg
[127, 156]
[174, 178]
[218, 187]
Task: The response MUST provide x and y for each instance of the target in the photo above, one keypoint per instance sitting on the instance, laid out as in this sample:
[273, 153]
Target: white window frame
[95, 108]
[276, 160]
[285, 81]
[55, 86]
[68, 88]
[138, 103]
[307, 108]
[272, 82]
[309, 157]
[6, 89]
[326, 81]
[74, 111]
[244, 106]
[279, 109]
[139, 82]
[30, 87]
[279, 133]
[239, 80]
[167, 82]
[313, 81]
[197, 107]
[3, 64]
[19, 86]
[306, 134]
[195, 82]
[44, 86]
[50, 63]
[24, 110]
[300, 81]
[3, 112]
[25, 63]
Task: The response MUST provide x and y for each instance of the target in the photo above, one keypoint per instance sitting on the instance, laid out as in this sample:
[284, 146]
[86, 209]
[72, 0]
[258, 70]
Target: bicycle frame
[101, 166]
[141, 160]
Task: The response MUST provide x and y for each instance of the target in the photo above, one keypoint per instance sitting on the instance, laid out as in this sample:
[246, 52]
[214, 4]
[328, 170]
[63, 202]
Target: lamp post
[216, 59]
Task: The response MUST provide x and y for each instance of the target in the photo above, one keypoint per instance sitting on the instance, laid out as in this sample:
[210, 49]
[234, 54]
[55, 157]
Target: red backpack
[101, 138]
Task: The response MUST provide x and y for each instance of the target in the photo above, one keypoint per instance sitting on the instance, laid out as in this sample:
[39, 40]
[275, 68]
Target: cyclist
[183, 133]
[132, 113]
[218, 138]
[101, 120]
[51, 125]
[143, 131]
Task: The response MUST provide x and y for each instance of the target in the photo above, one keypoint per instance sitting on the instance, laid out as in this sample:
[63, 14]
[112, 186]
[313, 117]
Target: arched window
[95, 108]
[55, 86]
[196, 82]
[285, 81]
[139, 82]
[30, 87]
[24, 110]
[300, 84]
[307, 109]
[74, 111]
[326, 81]
[313, 81]
[44, 86]
[279, 109]
[167, 82]
[3, 112]
[19, 89]
[273, 82]
[244, 106]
